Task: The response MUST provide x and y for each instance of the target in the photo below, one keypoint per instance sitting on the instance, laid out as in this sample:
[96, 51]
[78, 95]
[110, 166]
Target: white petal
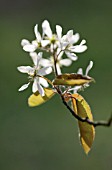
[60, 54]
[59, 31]
[45, 71]
[74, 38]
[34, 57]
[83, 42]
[23, 87]
[44, 43]
[76, 89]
[66, 62]
[58, 69]
[39, 58]
[47, 29]
[37, 34]
[51, 48]
[69, 35]
[25, 69]
[35, 43]
[43, 82]
[89, 67]
[37, 87]
[24, 42]
[29, 48]
[41, 90]
[64, 38]
[78, 48]
[34, 86]
[80, 71]
[72, 56]
[45, 62]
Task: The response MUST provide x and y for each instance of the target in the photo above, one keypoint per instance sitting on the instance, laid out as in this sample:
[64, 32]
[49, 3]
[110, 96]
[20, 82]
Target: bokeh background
[46, 137]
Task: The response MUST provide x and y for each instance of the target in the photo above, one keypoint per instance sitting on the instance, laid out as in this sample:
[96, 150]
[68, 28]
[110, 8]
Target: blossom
[37, 43]
[67, 43]
[50, 37]
[27, 46]
[59, 62]
[46, 40]
[80, 71]
[34, 73]
[55, 42]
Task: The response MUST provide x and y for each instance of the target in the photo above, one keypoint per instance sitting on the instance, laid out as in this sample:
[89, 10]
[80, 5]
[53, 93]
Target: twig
[87, 120]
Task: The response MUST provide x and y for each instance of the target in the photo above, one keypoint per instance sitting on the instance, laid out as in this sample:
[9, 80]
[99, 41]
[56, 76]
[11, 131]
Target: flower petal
[34, 86]
[23, 87]
[24, 42]
[58, 69]
[29, 48]
[80, 71]
[60, 54]
[76, 89]
[72, 56]
[83, 42]
[25, 69]
[69, 35]
[36, 57]
[66, 62]
[47, 29]
[45, 71]
[37, 34]
[41, 90]
[45, 62]
[89, 67]
[37, 87]
[74, 38]
[78, 48]
[43, 82]
[44, 43]
[59, 31]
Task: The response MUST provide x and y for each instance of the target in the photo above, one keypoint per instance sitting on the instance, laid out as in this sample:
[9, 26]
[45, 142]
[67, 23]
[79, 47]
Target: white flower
[50, 38]
[27, 46]
[39, 42]
[66, 43]
[34, 73]
[39, 39]
[60, 62]
[80, 71]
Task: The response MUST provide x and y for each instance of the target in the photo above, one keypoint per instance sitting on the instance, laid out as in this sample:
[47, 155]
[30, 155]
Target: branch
[87, 120]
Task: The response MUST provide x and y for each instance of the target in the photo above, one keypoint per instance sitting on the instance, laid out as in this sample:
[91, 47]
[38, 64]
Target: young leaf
[36, 99]
[87, 131]
[71, 79]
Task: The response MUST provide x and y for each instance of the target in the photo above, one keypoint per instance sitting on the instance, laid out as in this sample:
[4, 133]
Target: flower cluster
[62, 50]
[49, 53]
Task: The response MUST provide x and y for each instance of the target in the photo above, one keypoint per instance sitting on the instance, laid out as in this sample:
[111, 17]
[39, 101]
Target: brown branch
[87, 120]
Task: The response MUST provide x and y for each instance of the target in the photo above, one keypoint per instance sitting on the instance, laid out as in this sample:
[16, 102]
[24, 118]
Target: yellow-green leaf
[87, 131]
[36, 99]
[71, 79]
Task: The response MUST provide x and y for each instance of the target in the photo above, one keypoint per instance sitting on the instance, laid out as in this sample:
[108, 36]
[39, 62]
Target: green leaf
[36, 99]
[71, 79]
[87, 131]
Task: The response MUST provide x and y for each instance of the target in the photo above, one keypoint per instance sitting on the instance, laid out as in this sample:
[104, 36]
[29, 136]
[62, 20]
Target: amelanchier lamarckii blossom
[60, 50]
[55, 42]
[50, 62]
[34, 74]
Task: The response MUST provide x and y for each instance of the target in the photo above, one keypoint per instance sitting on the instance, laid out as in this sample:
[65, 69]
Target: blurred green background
[46, 137]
